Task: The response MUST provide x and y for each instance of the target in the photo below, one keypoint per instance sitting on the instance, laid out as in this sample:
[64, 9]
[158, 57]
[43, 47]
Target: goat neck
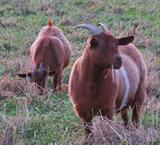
[91, 71]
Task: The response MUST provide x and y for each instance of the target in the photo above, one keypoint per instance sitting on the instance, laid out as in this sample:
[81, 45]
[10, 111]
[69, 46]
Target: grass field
[25, 117]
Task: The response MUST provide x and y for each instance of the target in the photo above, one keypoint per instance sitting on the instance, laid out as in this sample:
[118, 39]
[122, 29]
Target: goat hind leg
[124, 115]
[59, 83]
[139, 99]
[55, 81]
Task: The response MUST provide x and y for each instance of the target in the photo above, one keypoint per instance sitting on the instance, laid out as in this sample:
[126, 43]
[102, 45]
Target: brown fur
[52, 49]
[95, 88]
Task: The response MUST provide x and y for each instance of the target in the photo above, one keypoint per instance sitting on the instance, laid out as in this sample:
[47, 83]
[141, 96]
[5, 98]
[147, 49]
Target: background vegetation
[25, 117]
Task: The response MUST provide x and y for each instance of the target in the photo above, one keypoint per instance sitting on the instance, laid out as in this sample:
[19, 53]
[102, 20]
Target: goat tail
[50, 22]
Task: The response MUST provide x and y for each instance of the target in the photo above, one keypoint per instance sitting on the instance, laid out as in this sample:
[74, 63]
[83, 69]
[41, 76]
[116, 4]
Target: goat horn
[94, 29]
[104, 27]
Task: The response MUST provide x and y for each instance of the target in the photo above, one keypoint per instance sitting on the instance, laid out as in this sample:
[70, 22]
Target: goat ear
[125, 40]
[93, 42]
[24, 75]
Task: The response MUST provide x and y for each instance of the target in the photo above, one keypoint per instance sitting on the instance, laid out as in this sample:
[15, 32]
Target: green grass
[51, 120]
[44, 121]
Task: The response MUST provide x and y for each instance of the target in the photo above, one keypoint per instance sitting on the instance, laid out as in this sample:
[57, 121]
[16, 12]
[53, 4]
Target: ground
[27, 118]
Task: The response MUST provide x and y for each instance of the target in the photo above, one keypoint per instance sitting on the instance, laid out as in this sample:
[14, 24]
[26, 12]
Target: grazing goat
[50, 54]
[108, 78]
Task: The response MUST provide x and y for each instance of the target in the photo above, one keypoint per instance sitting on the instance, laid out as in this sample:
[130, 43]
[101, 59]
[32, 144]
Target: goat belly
[128, 83]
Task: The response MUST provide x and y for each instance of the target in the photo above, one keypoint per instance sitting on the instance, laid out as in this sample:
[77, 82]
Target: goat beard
[116, 65]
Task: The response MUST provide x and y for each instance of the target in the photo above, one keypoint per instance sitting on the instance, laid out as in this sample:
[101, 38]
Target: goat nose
[118, 58]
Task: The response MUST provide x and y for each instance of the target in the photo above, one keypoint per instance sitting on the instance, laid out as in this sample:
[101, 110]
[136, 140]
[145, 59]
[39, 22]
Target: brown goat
[50, 54]
[109, 77]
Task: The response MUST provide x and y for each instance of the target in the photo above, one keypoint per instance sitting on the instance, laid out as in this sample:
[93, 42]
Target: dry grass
[15, 87]
[106, 132]
[22, 87]
[11, 125]
[9, 135]
[153, 80]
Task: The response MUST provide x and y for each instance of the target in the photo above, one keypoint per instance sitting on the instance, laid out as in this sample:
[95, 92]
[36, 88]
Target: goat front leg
[41, 86]
[87, 127]
[87, 120]
[108, 112]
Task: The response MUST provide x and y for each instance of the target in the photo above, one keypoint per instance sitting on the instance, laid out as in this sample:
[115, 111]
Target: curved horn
[94, 29]
[104, 27]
